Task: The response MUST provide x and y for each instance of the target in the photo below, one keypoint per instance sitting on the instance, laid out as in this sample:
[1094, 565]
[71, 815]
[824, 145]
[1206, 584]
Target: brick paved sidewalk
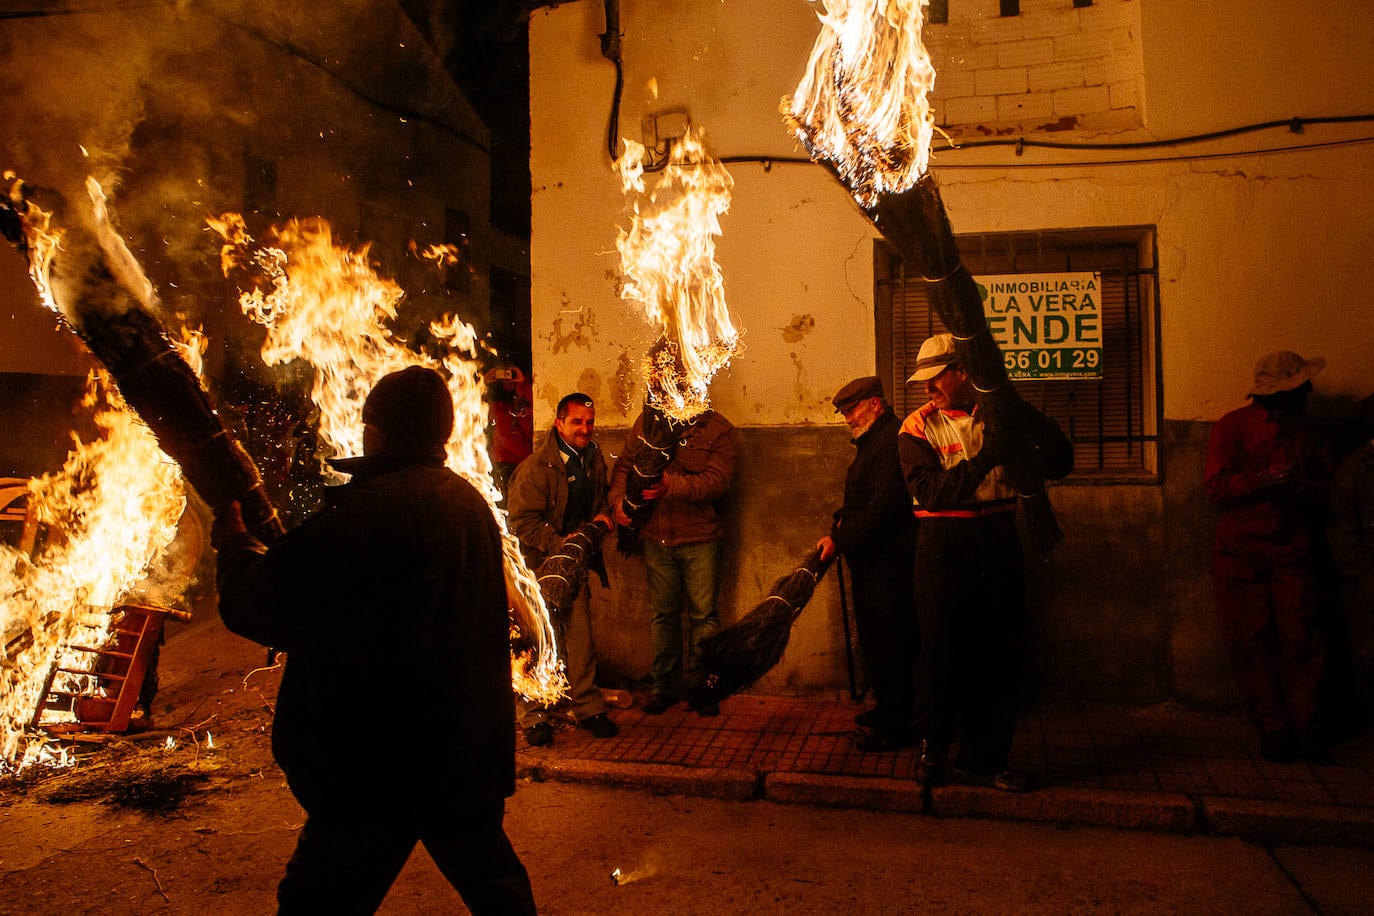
[1084, 759]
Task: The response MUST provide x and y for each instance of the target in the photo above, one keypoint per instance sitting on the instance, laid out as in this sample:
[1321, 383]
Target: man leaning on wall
[552, 492]
[682, 545]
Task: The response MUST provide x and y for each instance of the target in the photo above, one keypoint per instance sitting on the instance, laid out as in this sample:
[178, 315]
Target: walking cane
[848, 643]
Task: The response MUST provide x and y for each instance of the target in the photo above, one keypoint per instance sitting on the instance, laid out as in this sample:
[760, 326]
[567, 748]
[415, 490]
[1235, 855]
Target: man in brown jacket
[552, 492]
[682, 546]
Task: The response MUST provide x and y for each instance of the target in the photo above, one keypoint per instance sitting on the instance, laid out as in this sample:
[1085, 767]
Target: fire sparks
[324, 304]
[668, 265]
[862, 105]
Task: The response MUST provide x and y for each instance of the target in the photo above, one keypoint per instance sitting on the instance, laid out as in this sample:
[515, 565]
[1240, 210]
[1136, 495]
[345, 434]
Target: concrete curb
[1087, 807]
[876, 793]
[1256, 821]
[1289, 822]
[707, 782]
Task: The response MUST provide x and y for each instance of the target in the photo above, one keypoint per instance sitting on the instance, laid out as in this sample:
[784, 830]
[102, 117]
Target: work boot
[867, 719]
[600, 726]
[539, 734]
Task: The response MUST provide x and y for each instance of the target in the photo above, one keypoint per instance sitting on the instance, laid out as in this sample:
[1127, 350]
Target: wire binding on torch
[958, 265]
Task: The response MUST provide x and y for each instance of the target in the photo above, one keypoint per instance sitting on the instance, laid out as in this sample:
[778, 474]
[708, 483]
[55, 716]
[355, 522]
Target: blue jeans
[680, 578]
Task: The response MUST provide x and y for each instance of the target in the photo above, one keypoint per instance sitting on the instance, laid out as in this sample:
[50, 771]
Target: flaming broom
[861, 110]
[111, 306]
[323, 304]
[668, 266]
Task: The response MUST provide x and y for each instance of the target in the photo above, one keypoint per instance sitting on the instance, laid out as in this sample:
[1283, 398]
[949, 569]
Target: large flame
[110, 513]
[324, 304]
[862, 105]
[668, 265]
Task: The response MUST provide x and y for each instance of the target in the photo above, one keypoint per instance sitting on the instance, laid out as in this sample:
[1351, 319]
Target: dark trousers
[346, 858]
[971, 609]
[1266, 601]
[885, 617]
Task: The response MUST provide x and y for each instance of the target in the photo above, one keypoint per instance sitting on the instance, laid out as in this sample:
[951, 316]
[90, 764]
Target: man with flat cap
[391, 606]
[1268, 471]
[875, 532]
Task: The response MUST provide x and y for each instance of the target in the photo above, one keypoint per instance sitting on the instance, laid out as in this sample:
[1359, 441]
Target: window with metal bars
[1113, 420]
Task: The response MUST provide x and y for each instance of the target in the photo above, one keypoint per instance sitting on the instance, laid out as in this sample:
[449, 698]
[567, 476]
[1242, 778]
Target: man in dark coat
[391, 606]
[875, 532]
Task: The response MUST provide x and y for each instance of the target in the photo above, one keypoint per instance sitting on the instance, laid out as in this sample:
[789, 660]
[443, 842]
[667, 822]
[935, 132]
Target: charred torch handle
[915, 221]
[651, 458]
[158, 384]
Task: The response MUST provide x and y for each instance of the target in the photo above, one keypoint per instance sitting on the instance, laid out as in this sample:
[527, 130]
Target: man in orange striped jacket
[968, 575]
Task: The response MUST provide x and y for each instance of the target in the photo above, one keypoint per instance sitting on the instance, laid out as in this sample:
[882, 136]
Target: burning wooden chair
[20, 527]
[103, 696]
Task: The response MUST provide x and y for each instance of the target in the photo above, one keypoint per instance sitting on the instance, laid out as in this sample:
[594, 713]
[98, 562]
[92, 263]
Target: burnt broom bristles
[740, 654]
[562, 573]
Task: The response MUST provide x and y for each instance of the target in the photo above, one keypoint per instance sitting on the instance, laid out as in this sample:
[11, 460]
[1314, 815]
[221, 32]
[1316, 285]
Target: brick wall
[1054, 67]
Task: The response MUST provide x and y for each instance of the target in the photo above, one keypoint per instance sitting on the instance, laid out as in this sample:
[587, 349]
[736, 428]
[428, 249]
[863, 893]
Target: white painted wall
[1256, 252]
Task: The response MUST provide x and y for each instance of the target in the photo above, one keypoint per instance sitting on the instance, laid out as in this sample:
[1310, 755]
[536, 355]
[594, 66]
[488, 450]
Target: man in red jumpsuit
[1268, 470]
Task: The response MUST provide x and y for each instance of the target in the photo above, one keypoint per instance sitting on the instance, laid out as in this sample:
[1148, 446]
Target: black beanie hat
[414, 410]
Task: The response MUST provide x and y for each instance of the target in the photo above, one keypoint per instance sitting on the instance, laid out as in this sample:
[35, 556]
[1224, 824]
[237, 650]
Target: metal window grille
[1113, 420]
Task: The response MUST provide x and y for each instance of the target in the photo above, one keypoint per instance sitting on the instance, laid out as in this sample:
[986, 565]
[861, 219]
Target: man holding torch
[391, 607]
[682, 541]
[552, 493]
[968, 564]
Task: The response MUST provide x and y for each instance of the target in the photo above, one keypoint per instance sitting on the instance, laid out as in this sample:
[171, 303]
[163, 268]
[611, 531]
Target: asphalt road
[224, 850]
[690, 855]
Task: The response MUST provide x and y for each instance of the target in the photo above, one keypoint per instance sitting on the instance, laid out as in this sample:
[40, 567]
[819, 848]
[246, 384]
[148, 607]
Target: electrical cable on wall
[611, 50]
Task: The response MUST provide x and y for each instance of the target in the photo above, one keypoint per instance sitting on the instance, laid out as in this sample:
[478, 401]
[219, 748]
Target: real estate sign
[1047, 325]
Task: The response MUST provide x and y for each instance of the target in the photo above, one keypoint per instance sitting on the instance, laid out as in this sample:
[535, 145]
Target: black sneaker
[867, 719]
[539, 734]
[600, 726]
[708, 710]
[659, 703]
